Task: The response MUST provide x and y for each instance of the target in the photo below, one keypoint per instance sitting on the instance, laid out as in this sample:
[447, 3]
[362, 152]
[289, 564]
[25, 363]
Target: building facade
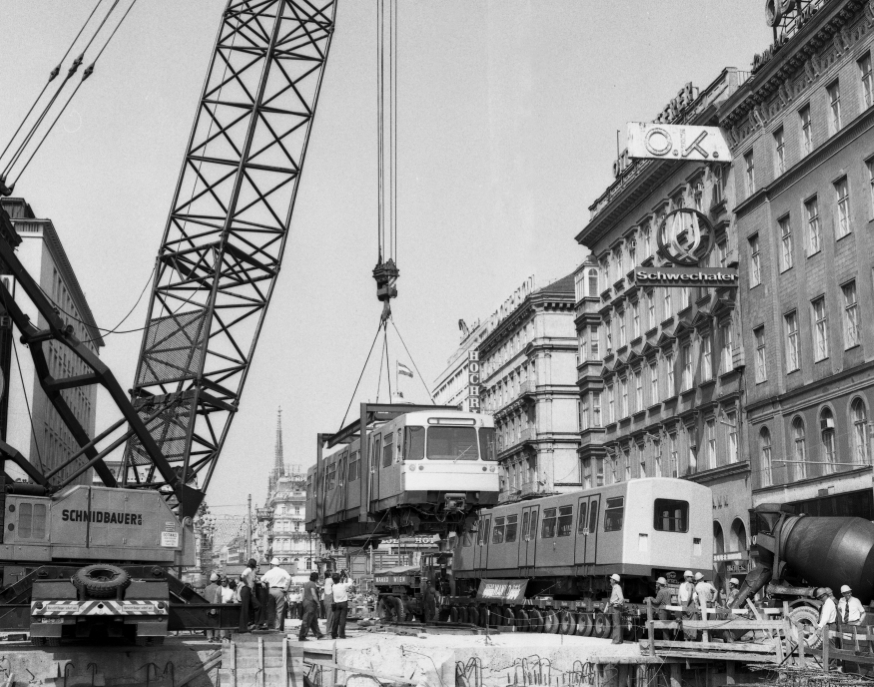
[802, 136]
[660, 368]
[453, 387]
[32, 425]
[527, 364]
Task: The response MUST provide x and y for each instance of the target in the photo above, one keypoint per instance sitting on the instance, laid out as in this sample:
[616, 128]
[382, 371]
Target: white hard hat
[275, 561]
[845, 588]
[823, 591]
[213, 577]
[734, 580]
[688, 573]
[614, 577]
[699, 576]
[662, 580]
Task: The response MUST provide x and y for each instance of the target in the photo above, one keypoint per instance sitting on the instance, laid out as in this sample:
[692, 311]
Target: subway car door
[590, 555]
[482, 543]
[528, 544]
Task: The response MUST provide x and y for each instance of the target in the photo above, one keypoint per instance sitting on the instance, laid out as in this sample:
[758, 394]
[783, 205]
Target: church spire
[279, 466]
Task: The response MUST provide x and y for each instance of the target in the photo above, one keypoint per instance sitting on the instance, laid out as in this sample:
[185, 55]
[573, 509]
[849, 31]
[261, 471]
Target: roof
[561, 287]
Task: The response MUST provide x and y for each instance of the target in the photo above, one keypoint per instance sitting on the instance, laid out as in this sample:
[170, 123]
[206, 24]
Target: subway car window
[565, 521]
[613, 512]
[525, 525]
[353, 466]
[511, 528]
[414, 443]
[498, 532]
[387, 449]
[532, 527]
[671, 516]
[593, 517]
[486, 527]
[452, 443]
[487, 443]
[581, 519]
[479, 533]
[548, 527]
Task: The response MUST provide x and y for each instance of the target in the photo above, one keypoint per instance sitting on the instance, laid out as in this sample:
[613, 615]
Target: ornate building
[660, 369]
[802, 136]
[528, 384]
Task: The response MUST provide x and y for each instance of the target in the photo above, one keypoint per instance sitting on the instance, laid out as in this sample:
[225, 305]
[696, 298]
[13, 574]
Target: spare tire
[807, 618]
[400, 608]
[100, 581]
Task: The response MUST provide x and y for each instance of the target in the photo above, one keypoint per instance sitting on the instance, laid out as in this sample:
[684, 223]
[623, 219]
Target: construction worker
[733, 591]
[707, 595]
[688, 599]
[660, 602]
[310, 609]
[828, 613]
[615, 605]
[249, 603]
[277, 581]
[850, 609]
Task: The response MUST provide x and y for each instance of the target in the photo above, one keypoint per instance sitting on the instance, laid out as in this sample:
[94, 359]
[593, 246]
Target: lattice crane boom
[227, 230]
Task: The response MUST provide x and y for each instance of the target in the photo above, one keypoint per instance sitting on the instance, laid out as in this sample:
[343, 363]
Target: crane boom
[226, 233]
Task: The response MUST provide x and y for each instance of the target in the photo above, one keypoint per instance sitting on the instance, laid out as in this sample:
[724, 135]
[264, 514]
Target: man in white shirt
[828, 614]
[328, 600]
[341, 607]
[707, 593]
[688, 599]
[850, 609]
[277, 581]
[617, 600]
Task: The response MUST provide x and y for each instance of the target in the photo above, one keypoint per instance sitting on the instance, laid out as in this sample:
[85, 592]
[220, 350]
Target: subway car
[546, 562]
[426, 469]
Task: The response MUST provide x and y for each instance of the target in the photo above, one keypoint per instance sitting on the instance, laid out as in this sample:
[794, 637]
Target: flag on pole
[404, 370]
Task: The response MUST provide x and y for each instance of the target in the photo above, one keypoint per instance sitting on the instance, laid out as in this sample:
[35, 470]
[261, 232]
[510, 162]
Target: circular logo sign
[685, 237]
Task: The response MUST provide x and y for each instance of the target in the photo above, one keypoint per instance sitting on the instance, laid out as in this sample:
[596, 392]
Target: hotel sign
[473, 381]
[677, 142]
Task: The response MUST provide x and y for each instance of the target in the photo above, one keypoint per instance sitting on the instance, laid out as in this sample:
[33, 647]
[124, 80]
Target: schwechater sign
[684, 276]
[104, 517]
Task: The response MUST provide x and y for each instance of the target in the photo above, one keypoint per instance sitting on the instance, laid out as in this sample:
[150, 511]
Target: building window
[779, 153]
[657, 454]
[638, 391]
[718, 181]
[793, 356]
[611, 404]
[851, 316]
[785, 243]
[698, 196]
[593, 282]
[859, 417]
[820, 329]
[608, 337]
[693, 458]
[761, 369]
[669, 306]
[865, 75]
[669, 364]
[623, 397]
[727, 348]
[645, 239]
[806, 131]
[583, 408]
[674, 466]
[765, 447]
[731, 422]
[635, 320]
[827, 434]
[653, 383]
[706, 357]
[814, 234]
[834, 101]
[626, 454]
[621, 316]
[711, 443]
[755, 265]
[842, 194]
[641, 456]
[750, 173]
[686, 358]
[650, 300]
[800, 450]
[593, 342]
[596, 408]
[870, 165]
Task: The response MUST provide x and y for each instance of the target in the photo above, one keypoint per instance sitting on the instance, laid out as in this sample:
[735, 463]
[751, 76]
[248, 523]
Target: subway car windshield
[452, 443]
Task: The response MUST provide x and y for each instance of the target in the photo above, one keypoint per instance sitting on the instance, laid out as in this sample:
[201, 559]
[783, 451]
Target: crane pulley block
[386, 274]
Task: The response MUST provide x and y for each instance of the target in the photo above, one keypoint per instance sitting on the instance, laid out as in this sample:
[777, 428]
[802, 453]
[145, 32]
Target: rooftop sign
[677, 142]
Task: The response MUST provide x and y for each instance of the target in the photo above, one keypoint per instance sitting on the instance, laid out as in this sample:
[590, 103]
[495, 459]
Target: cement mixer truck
[799, 553]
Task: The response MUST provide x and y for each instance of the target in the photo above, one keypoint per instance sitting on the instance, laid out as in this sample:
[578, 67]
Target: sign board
[677, 142]
[502, 590]
[474, 381]
[730, 556]
[684, 276]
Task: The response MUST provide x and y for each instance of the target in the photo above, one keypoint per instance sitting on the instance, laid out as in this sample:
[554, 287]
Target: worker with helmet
[828, 613]
[708, 595]
[850, 609]
[661, 601]
[615, 605]
[733, 591]
[688, 599]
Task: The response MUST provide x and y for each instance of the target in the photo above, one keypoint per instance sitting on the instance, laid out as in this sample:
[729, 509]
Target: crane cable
[74, 67]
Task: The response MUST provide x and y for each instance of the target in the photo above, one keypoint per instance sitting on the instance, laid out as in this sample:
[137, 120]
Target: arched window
[718, 538]
[738, 535]
[827, 434]
[765, 446]
[859, 416]
[593, 282]
[800, 449]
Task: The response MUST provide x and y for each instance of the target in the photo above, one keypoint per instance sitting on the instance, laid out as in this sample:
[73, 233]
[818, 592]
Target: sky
[507, 119]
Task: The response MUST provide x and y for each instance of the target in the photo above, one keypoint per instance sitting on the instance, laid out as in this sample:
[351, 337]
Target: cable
[27, 403]
[387, 367]
[379, 376]
[379, 123]
[360, 376]
[427, 390]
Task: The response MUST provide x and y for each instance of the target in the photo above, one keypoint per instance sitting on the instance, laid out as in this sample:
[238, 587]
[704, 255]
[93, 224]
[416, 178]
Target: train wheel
[567, 622]
[454, 615]
[496, 616]
[483, 616]
[554, 623]
[602, 626]
[463, 616]
[535, 620]
[400, 609]
[509, 617]
[585, 625]
[522, 620]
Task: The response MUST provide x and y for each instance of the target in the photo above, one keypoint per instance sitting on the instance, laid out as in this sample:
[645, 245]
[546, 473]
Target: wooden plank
[733, 624]
[840, 654]
[676, 681]
[649, 626]
[729, 672]
[715, 646]
[709, 656]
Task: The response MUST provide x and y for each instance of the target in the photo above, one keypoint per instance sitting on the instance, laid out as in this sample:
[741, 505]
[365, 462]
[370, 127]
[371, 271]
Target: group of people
[695, 596]
[334, 595]
[848, 610]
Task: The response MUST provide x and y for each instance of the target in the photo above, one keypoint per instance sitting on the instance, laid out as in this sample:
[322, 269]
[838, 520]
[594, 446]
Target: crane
[215, 273]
